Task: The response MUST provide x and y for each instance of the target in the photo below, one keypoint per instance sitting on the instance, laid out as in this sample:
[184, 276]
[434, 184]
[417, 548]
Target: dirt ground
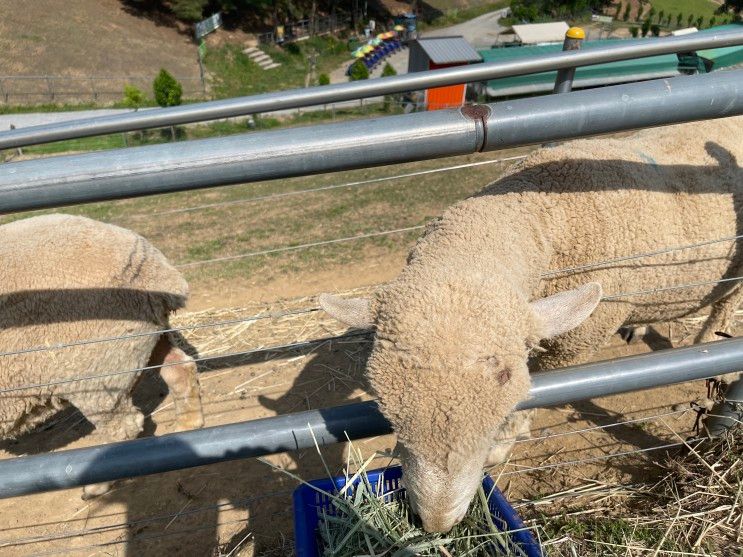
[211, 510]
[87, 38]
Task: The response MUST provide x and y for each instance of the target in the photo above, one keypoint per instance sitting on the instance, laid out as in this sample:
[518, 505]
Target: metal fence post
[728, 412]
[50, 87]
[573, 40]
[564, 80]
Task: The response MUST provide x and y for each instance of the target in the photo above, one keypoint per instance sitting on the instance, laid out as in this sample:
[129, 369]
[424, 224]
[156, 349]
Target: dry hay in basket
[694, 509]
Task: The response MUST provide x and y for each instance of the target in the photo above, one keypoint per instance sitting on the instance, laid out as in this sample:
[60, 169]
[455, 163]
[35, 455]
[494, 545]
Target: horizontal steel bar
[589, 112]
[250, 157]
[295, 98]
[151, 455]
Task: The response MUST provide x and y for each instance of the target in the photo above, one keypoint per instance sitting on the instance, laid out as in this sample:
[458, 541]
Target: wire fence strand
[593, 265]
[593, 428]
[360, 183]
[242, 502]
[314, 309]
[593, 459]
[300, 246]
[228, 355]
[194, 327]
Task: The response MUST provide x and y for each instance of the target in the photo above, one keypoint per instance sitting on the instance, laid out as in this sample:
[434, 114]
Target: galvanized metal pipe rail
[251, 157]
[296, 98]
[65, 469]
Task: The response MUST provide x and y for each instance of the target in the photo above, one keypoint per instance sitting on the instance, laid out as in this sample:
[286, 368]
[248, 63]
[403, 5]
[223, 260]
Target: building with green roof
[639, 69]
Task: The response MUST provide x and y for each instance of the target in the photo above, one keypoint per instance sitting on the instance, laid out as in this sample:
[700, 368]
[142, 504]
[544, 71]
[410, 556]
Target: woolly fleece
[455, 329]
[64, 279]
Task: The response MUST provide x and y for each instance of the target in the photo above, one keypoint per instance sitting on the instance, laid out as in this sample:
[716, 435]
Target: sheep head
[449, 364]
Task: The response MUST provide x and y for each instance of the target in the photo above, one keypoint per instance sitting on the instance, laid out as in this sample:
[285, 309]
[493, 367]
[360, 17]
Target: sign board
[205, 27]
[602, 18]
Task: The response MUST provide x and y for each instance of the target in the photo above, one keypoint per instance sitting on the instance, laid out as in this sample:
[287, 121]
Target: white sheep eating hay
[480, 291]
[66, 279]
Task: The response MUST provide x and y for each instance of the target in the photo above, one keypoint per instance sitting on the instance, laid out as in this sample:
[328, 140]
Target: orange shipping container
[451, 96]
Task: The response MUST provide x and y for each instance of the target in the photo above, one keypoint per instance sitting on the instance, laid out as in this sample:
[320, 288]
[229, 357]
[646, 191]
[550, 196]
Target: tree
[679, 19]
[655, 30]
[646, 27]
[700, 22]
[323, 79]
[627, 10]
[712, 21]
[689, 20]
[661, 15]
[388, 70]
[619, 10]
[167, 90]
[133, 97]
[735, 5]
[358, 71]
[634, 31]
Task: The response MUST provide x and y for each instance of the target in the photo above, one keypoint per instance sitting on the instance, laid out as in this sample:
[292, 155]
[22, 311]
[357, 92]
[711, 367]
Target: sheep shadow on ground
[259, 495]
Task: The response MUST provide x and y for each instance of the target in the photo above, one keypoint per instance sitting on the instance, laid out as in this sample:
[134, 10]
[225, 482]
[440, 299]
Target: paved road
[40, 118]
[481, 32]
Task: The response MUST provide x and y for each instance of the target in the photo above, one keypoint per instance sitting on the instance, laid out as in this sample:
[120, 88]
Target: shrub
[133, 97]
[689, 20]
[167, 90]
[679, 19]
[712, 21]
[655, 30]
[293, 48]
[358, 71]
[634, 31]
[646, 27]
[661, 15]
[388, 70]
[700, 22]
[627, 11]
[323, 79]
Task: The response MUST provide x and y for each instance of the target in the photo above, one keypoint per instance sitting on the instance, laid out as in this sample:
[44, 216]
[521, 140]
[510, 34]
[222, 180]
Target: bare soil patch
[86, 38]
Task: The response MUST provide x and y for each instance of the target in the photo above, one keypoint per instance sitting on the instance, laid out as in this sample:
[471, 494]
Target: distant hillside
[89, 38]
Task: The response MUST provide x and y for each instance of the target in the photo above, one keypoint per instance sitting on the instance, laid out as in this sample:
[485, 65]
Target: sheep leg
[115, 419]
[180, 374]
[721, 318]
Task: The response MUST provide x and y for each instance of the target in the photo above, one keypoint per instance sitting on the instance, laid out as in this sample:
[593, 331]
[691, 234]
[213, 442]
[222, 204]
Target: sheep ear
[354, 312]
[566, 310]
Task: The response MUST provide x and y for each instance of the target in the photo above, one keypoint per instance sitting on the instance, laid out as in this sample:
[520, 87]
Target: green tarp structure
[603, 74]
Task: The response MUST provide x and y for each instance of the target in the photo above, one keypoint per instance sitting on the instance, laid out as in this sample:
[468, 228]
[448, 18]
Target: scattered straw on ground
[695, 509]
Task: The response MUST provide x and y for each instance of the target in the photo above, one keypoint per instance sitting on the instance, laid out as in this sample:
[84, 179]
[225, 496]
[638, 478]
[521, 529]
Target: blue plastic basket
[308, 505]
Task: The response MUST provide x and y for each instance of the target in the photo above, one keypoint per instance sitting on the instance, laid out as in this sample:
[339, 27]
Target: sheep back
[65, 279]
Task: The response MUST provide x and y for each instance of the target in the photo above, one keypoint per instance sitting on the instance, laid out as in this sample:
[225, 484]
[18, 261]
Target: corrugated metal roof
[535, 33]
[448, 50]
[651, 67]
